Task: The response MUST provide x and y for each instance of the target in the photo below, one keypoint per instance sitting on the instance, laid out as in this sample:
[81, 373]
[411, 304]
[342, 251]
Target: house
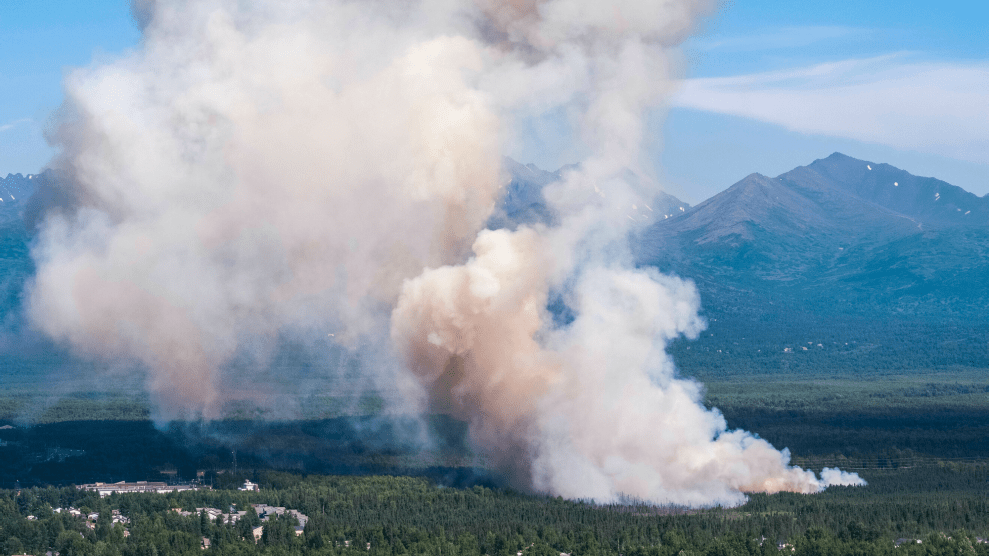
[249, 486]
[214, 513]
[233, 517]
[211, 513]
[299, 516]
[265, 511]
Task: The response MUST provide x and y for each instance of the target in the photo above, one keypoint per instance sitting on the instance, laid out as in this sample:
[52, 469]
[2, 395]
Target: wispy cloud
[784, 37]
[937, 108]
[14, 124]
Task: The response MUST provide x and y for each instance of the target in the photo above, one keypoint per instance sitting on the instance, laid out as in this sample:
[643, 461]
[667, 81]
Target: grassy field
[920, 390]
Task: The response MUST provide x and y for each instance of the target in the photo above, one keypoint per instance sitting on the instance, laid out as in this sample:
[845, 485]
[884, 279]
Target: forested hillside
[379, 516]
[841, 266]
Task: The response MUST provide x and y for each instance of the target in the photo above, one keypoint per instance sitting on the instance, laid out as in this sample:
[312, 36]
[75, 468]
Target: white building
[106, 489]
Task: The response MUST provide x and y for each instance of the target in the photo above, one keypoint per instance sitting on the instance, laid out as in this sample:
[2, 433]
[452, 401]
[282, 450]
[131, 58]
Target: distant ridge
[929, 200]
[523, 202]
[841, 250]
[837, 198]
[838, 245]
[16, 188]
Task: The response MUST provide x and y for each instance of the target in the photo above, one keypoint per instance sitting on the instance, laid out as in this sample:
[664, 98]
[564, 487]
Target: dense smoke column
[470, 335]
[593, 409]
[256, 166]
[326, 170]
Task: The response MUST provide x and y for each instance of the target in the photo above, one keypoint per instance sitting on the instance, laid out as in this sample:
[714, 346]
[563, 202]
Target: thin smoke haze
[327, 170]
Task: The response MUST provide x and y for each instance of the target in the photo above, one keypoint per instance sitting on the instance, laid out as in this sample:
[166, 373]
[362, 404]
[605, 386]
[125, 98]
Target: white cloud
[937, 108]
[14, 124]
[784, 37]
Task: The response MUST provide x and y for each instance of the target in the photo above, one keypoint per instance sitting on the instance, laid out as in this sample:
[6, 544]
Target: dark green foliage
[869, 417]
[89, 451]
[943, 505]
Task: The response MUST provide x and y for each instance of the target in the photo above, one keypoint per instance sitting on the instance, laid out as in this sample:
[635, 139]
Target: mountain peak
[522, 200]
[928, 201]
[831, 200]
[837, 156]
[753, 203]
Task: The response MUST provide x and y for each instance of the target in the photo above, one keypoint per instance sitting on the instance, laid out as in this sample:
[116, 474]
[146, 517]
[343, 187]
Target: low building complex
[106, 489]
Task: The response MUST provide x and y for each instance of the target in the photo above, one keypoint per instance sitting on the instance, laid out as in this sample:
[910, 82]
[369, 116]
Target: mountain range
[863, 264]
[15, 190]
[881, 232]
[841, 264]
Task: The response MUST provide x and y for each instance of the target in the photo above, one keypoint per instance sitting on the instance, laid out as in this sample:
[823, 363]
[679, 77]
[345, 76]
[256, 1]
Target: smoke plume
[327, 169]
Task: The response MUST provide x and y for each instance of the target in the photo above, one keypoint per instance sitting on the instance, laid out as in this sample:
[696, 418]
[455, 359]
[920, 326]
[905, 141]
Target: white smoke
[328, 168]
[832, 476]
[247, 170]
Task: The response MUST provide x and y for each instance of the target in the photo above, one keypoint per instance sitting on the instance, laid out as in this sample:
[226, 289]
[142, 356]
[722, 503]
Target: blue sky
[39, 42]
[770, 85]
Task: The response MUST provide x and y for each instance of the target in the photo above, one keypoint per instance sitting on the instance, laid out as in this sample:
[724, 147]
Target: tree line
[944, 506]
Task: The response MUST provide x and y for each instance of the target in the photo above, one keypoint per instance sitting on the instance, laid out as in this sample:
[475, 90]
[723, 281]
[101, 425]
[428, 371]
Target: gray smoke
[326, 169]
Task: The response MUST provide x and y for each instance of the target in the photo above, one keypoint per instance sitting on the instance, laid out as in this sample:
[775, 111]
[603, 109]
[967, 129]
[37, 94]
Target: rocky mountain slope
[839, 250]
